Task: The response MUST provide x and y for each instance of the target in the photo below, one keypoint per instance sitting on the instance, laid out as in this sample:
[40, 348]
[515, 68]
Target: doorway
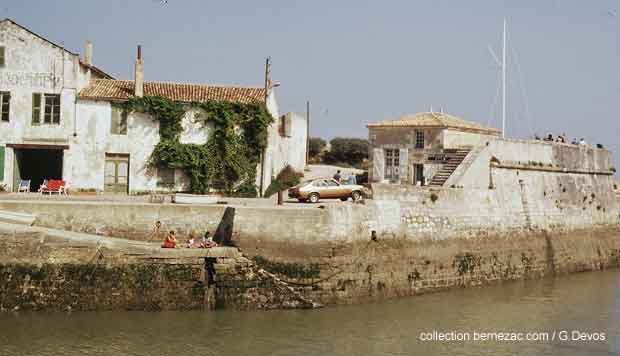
[36, 165]
[116, 173]
[418, 174]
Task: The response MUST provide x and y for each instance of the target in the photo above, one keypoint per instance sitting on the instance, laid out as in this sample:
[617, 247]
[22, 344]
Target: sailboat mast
[504, 82]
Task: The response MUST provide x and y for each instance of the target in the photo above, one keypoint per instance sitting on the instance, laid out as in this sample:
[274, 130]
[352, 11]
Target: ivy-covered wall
[227, 161]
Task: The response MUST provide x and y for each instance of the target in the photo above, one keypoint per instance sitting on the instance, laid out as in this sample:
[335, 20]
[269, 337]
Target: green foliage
[316, 145]
[351, 151]
[287, 178]
[227, 161]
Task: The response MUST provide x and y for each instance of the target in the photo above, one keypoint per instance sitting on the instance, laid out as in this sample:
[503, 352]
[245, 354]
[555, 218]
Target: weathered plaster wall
[34, 65]
[457, 139]
[290, 145]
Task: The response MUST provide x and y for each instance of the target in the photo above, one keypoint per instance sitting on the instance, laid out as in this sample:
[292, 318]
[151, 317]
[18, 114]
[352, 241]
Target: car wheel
[357, 196]
[313, 198]
[344, 199]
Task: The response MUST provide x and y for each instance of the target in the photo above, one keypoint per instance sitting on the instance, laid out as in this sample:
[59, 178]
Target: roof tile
[435, 119]
[121, 90]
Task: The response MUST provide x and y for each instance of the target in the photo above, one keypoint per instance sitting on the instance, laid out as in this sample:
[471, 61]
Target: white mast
[504, 82]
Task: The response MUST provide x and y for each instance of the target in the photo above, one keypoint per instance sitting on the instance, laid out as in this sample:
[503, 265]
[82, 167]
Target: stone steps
[16, 218]
[451, 165]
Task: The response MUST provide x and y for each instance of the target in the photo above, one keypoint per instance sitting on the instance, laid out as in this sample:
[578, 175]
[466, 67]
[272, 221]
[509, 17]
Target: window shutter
[2, 56]
[36, 108]
[378, 164]
[1, 163]
[403, 163]
[115, 121]
[288, 126]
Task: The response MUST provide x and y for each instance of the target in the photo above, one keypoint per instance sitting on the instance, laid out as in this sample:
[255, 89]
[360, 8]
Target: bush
[287, 178]
[434, 197]
[316, 145]
[351, 151]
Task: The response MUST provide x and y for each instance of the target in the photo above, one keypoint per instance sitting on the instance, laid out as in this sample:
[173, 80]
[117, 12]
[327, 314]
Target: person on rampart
[170, 241]
[190, 241]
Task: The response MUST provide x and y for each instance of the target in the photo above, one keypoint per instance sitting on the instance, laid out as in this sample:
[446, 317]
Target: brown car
[325, 188]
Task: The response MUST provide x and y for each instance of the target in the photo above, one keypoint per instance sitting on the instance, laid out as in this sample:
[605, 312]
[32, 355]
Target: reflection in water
[588, 302]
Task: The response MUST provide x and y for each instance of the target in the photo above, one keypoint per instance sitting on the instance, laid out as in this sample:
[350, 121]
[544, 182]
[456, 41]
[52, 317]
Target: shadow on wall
[223, 233]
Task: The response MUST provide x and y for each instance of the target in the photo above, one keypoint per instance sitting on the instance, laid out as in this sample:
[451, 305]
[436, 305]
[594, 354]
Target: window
[5, 100]
[419, 139]
[2, 56]
[119, 121]
[50, 110]
[392, 162]
[165, 177]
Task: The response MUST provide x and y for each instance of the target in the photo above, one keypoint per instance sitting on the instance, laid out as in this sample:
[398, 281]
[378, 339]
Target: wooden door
[116, 173]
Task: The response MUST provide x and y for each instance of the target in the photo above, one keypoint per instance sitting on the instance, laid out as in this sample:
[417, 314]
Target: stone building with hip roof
[423, 149]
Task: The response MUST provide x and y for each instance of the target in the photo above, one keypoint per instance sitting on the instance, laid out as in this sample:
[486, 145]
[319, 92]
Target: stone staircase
[456, 158]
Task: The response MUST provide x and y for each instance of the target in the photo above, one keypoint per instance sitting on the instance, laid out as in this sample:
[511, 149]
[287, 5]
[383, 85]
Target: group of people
[172, 242]
[561, 139]
[351, 179]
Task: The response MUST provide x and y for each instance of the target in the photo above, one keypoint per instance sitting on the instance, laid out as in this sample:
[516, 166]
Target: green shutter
[36, 108]
[1, 163]
[2, 56]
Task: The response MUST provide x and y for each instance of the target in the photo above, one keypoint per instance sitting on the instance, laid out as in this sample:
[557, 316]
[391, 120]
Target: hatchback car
[325, 188]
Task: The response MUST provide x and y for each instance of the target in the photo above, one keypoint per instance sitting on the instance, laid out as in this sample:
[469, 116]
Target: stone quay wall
[45, 269]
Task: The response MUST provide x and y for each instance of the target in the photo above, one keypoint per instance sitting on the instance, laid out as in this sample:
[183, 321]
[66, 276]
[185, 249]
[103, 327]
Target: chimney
[139, 75]
[88, 53]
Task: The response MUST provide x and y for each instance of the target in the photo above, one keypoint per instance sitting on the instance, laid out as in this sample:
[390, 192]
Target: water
[589, 302]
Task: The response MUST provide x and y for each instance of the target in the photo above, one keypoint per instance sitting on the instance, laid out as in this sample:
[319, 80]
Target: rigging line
[523, 89]
[492, 109]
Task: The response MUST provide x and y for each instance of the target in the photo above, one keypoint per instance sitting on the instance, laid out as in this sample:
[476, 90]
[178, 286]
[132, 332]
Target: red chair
[54, 186]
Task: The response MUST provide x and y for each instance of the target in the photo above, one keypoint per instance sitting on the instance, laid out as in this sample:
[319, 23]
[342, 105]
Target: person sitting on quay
[190, 241]
[207, 241]
[170, 241]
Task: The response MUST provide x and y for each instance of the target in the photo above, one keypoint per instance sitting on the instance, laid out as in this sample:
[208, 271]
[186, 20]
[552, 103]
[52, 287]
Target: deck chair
[43, 185]
[24, 186]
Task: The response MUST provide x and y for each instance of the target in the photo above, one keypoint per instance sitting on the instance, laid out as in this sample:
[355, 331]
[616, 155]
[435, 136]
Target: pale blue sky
[362, 61]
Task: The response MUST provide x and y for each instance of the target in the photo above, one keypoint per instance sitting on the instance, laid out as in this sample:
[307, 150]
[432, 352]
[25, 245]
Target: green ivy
[227, 161]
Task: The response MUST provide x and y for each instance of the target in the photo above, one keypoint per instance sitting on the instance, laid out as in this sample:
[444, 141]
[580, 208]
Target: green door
[116, 173]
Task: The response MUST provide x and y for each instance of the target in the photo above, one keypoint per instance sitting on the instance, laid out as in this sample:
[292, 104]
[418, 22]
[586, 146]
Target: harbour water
[582, 308]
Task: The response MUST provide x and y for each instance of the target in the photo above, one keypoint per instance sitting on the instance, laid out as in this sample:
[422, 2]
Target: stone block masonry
[44, 269]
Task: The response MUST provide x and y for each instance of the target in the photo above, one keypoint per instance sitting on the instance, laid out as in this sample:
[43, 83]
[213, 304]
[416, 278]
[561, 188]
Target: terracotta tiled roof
[436, 120]
[120, 90]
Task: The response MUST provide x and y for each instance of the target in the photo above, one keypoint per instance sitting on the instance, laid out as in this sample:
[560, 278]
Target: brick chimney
[139, 75]
[88, 53]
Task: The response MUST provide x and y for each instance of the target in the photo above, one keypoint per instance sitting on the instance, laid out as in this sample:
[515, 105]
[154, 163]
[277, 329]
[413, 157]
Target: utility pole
[504, 82]
[307, 132]
[264, 152]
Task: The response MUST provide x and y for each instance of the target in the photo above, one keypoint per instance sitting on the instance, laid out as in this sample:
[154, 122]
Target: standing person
[582, 142]
[352, 180]
[170, 241]
[337, 176]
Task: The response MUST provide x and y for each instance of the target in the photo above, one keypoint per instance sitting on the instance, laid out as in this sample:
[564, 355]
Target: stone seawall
[45, 269]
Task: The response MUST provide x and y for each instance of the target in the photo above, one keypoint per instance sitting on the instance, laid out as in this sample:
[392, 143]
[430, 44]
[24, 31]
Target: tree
[317, 145]
[351, 151]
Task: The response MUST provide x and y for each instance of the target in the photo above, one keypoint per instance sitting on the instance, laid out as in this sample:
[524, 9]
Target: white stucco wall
[34, 65]
[94, 140]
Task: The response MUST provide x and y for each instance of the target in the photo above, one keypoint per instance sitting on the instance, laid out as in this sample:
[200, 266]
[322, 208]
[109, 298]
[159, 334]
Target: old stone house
[59, 120]
[423, 149]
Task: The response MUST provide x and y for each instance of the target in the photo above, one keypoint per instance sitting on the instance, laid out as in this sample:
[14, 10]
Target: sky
[364, 61]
